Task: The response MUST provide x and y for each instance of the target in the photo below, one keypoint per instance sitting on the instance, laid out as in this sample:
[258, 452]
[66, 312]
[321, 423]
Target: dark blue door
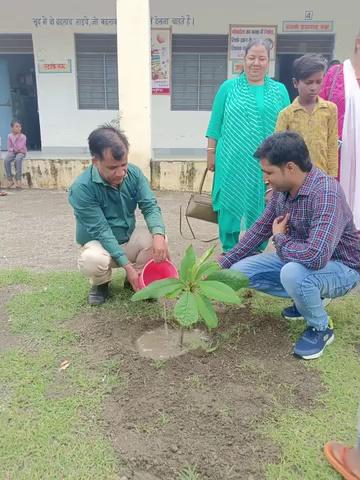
[5, 103]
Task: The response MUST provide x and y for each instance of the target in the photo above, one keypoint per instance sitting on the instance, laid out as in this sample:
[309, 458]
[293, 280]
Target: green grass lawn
[302, 434]
[50, 420]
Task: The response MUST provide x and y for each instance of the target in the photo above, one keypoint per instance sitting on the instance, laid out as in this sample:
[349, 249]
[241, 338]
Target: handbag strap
[191, 230]
[336, 74]
[203, 180]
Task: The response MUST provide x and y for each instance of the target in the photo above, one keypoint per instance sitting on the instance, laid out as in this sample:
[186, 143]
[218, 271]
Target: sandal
[3, 194]
[341, 465]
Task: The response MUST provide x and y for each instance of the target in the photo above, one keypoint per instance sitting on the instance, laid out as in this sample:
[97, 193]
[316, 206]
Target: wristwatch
[273, 241]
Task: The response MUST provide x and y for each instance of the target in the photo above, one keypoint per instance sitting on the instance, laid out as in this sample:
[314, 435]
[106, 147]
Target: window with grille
[97, 77]
[16, 43]
[199, 66]
[309, 43]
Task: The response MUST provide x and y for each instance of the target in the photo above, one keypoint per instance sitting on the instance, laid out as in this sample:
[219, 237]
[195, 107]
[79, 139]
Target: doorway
[292, 46]
[18, 91]
[5, 103]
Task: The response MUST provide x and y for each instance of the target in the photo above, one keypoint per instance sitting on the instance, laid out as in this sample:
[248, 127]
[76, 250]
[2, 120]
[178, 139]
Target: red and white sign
[52, 67]
[307, 26]
[239, 38]
[241, 35]
[160, 60]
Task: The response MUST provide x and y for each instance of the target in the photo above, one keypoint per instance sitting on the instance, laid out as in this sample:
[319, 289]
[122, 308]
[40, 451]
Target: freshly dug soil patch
[202, 408]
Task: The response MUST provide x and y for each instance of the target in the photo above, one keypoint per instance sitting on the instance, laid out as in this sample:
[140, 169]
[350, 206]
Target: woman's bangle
[211, 149]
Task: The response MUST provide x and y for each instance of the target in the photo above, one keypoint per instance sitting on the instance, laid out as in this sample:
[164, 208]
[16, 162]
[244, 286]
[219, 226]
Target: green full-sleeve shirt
[107, 213]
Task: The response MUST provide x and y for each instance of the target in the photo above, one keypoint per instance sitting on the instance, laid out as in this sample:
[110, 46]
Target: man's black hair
[108, 136]
[284, 147]
[307, 65]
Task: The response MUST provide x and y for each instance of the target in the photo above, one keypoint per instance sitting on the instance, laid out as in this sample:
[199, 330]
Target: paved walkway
[38, 229]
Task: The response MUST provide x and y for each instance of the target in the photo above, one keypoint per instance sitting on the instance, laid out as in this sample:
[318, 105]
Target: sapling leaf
[175, 293]
[206, 311]
[200, 282]
[205, 256]
[231, 278]
[157, 289]
[201, 261]
[206, 269]
[187, 263]
[218, 291]
[185, 311]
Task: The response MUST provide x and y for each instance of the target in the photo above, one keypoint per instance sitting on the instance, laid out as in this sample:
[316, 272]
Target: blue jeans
[268, 274]
[18, 158]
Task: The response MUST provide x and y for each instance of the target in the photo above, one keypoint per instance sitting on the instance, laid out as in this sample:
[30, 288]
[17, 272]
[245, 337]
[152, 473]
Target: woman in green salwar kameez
[244, 113]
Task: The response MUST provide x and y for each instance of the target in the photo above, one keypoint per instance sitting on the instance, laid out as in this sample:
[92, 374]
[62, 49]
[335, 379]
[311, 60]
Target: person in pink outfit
[17, 150]
[344, 459]
[342, 86]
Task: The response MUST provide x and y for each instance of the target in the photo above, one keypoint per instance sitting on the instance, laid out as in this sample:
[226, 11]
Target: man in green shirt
[104, 198]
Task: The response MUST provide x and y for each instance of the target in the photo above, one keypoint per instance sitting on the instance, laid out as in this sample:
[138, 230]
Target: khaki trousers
[96, 263]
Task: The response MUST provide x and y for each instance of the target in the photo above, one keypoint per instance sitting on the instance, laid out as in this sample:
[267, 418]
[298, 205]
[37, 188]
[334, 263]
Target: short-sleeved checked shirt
[319, 130]
[321, 227]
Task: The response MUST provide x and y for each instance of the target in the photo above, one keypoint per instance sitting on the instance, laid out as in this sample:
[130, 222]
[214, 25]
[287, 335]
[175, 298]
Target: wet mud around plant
[204, 408]
[164, 343]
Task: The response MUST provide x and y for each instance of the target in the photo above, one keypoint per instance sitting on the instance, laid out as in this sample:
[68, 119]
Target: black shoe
[99, 294]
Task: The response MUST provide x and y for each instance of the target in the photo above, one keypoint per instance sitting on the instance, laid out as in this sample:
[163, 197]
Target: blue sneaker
[312, 343]
[292, 313]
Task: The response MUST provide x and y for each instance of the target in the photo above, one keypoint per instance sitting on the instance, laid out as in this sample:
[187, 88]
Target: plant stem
[181, 339]
[165, 319]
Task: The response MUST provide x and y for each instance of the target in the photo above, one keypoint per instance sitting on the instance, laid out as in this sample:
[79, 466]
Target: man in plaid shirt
[317, 247]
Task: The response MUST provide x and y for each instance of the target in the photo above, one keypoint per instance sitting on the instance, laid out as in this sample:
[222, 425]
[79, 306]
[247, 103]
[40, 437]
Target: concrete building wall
[62, 123]
[172, 129]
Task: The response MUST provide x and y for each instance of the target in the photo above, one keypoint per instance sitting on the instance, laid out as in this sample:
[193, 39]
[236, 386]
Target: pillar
[134, 74]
